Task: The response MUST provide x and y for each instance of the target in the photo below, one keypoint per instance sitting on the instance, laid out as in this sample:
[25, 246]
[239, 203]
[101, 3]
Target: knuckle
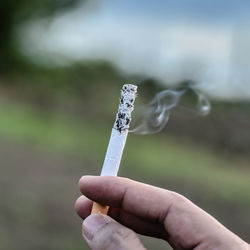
[180, 198]
[115, 237]
[123, 233]
[126, 180]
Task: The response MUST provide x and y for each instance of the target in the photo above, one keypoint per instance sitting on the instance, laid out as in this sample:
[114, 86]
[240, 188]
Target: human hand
[148, 210]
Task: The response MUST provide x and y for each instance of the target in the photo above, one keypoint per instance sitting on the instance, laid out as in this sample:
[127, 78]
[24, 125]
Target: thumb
[102, 232]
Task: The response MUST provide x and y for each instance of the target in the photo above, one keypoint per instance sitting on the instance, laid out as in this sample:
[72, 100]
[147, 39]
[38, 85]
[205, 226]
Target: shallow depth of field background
[62, 64]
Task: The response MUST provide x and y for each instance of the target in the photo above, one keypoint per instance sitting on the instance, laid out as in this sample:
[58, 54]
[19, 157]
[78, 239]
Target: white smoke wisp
[154, 117]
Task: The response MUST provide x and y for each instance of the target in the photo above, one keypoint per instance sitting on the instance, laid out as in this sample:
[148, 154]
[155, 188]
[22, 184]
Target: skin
[140, 208]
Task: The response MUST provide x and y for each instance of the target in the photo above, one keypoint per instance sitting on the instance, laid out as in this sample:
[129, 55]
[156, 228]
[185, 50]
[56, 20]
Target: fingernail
[92, 224]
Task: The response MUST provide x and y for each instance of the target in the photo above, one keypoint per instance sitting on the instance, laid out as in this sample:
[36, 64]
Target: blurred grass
[152, 155]
[156, 159]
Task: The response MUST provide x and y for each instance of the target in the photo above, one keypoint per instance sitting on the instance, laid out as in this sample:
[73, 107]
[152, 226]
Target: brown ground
[38, 189]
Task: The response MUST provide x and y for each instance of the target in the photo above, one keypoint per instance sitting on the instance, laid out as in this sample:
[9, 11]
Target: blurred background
[62, 65]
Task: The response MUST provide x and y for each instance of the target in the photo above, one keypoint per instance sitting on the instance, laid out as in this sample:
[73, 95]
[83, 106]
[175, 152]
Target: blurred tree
[15, 12]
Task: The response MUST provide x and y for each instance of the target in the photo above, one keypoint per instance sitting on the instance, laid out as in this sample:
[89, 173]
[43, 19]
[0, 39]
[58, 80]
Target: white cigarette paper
[120, 131]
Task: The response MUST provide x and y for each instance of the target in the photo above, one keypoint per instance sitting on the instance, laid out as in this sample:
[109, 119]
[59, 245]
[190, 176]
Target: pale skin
[140, 208]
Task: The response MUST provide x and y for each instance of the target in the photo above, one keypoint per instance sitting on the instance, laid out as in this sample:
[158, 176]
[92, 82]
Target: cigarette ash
[126, 106]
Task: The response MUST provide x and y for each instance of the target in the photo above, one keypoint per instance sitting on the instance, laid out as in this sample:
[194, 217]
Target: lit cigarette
[117, 139]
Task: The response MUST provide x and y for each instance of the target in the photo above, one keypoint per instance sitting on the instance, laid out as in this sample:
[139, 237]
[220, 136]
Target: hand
[148, 210]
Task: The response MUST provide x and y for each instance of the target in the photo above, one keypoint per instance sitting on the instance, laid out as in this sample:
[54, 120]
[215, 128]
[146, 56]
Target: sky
[207, 42]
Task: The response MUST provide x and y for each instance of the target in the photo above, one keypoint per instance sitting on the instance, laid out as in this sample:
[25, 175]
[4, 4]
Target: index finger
[139, 199]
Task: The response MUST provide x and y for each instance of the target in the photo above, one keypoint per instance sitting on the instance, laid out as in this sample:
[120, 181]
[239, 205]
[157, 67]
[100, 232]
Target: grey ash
[126, 106]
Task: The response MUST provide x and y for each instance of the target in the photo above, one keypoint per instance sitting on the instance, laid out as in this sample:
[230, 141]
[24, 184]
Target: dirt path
[38, 189]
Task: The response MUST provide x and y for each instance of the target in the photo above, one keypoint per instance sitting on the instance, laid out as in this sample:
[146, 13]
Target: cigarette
[117, 139]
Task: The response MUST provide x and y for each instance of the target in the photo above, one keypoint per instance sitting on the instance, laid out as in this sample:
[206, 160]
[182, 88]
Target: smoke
[154, 117]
